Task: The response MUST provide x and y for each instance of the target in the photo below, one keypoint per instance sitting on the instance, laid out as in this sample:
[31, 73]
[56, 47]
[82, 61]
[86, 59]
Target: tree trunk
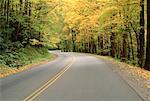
[98, 43]
[147, 61]
[101, 44]
[129, 51]
[113, 45]
[124, 52]
[141, 36]
[73, 43]
[131, 43]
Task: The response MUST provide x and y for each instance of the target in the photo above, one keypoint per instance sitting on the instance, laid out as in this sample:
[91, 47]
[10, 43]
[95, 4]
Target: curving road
[70, 77]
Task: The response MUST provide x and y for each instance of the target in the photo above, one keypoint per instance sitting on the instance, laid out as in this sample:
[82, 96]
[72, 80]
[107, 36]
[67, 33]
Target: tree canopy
[107, 27]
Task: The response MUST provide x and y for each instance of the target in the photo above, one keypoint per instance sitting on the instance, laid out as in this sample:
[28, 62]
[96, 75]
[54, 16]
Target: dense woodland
[116, 28]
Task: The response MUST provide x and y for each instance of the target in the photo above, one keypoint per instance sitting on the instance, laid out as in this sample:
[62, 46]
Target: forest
[116, 28]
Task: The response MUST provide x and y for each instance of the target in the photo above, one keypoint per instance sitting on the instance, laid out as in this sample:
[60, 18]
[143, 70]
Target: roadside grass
[24, 59]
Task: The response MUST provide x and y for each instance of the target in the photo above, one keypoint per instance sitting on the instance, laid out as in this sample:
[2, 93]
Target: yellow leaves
[52, 2]
[109, 10]
[72, 19]
[141, 72]
[93, 20]
[71, 1]
[89, 24]
[35, 42]
[66, 29]
[54, 40]
[87, 16]
[110, 18]
[83, 17]
[77, 12]
[5, 71]
[147, 86]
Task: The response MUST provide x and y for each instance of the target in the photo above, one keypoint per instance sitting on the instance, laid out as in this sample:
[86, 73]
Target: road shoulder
[138, 79]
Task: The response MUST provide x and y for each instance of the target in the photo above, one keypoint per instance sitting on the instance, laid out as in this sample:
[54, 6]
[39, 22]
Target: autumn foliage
[114, 28]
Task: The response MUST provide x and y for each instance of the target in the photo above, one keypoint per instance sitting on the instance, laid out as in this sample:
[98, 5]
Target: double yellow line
[36, 93]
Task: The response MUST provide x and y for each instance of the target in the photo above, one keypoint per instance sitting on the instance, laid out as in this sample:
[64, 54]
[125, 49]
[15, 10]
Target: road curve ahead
[71, 77]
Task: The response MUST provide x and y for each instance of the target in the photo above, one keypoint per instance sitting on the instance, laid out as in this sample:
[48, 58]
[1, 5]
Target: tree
[147, 61]
[141, 36]
[106, 27]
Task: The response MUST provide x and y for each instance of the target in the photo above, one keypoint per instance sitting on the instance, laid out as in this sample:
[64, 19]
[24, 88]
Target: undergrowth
[24, 56]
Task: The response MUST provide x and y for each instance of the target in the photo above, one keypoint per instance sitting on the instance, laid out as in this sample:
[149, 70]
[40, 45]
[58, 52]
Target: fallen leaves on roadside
[147, 86]
[133, 70]
[5, 71]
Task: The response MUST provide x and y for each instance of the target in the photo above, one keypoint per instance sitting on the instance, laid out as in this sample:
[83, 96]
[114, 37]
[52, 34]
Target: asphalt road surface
[70, 77]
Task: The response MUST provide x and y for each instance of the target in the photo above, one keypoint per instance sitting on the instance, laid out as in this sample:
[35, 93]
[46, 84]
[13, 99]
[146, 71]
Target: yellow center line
[49, 82]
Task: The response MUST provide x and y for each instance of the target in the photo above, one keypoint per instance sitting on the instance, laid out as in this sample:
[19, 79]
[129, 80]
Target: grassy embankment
[23, 59]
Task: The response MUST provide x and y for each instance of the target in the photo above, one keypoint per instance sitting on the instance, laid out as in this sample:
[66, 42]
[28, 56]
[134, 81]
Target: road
[70, 77]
